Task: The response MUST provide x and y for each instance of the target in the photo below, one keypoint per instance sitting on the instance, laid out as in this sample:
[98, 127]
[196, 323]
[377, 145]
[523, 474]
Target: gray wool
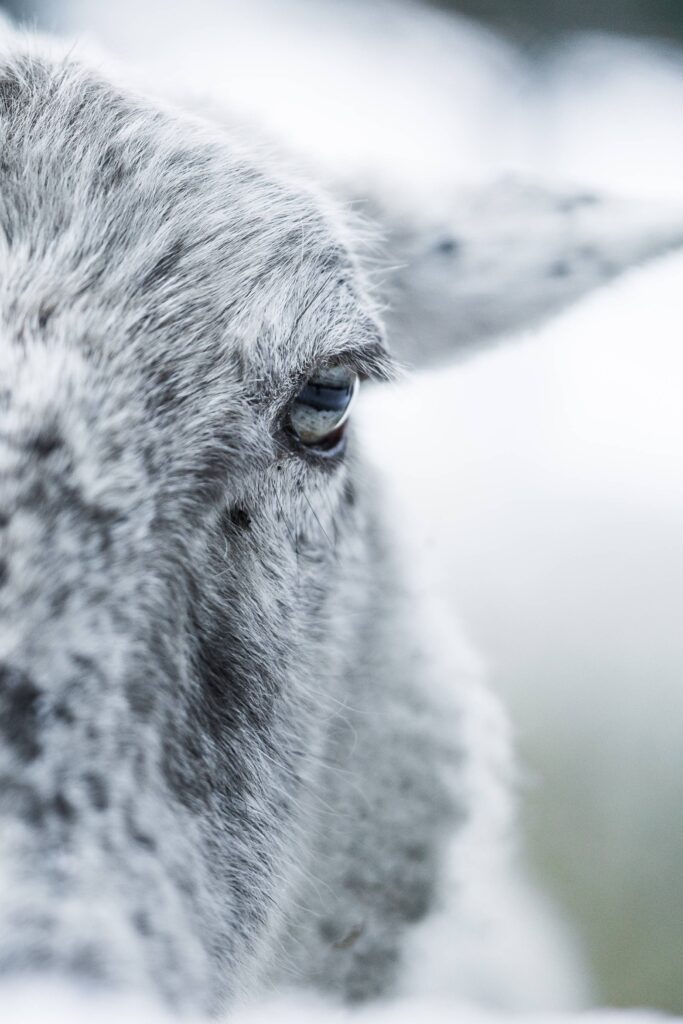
[225, 763]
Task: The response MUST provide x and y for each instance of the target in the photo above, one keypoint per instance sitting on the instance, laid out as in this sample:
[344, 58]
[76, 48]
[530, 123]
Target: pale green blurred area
[545, 478]
[554, 499]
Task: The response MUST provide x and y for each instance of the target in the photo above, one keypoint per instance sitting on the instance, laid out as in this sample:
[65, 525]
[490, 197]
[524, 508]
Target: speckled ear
[485, 262]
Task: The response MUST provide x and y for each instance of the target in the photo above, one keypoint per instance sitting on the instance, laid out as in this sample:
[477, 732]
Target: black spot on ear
[351, 938]
[4, 572]
[19, 699]
[559, 269]
[414, 901]
[330, 931]
[570, 203]
[417, 852]
[448, 246]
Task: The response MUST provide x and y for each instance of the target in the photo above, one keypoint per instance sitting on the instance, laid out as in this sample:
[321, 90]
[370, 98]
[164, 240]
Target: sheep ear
[501, 259]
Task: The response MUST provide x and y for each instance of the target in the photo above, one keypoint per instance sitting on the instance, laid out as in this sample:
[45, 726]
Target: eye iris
[323, 405]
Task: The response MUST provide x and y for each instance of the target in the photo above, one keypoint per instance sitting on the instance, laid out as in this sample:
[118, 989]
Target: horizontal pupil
[325, 398]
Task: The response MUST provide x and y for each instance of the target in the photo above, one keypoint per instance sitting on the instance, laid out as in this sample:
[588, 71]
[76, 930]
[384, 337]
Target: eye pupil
[320, 410]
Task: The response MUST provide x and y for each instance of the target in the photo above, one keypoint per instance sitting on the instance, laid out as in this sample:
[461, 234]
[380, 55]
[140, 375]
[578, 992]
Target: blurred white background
[546, 475]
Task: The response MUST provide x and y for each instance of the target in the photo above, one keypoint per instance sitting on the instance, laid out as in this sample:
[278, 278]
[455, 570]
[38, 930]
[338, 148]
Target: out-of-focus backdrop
[546, 474]
[531, 17]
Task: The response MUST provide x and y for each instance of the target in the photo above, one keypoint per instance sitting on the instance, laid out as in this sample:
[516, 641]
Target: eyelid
[370, 362]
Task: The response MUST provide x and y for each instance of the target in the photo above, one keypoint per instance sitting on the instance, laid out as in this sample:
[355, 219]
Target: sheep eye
[319, 412]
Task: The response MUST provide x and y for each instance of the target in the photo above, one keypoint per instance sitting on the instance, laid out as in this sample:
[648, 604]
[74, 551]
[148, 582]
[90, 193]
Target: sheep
[229, 760]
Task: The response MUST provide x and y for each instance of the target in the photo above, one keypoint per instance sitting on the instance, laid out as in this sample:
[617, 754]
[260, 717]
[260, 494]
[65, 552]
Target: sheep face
[183, 583]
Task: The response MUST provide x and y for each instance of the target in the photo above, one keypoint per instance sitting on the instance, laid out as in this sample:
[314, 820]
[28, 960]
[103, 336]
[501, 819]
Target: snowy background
[545, 475]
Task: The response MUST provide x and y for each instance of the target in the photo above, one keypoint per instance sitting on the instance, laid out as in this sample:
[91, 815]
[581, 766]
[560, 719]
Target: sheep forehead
[132, 223]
